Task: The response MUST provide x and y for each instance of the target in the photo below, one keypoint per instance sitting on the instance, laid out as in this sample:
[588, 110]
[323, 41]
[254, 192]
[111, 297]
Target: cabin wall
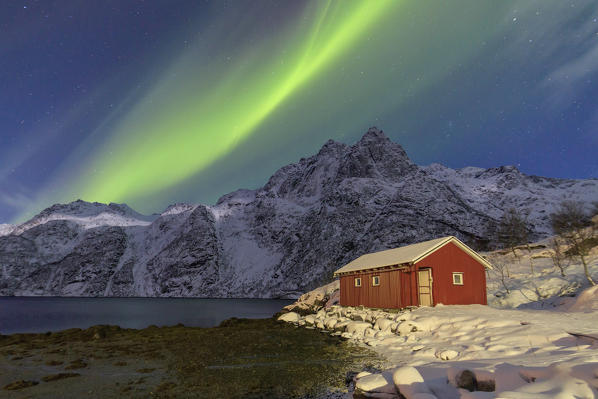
[385, 295]
[446, 260]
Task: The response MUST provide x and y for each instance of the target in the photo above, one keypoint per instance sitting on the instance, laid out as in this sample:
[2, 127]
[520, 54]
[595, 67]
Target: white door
[424, 287]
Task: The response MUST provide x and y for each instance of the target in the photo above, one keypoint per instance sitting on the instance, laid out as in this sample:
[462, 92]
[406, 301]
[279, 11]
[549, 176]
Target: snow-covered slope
[546, 348]
[87, 215]
[285, 238]
[491, 191]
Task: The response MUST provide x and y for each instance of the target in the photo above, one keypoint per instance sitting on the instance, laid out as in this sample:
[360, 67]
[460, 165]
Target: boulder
[372, 384]
[466, 380]
[330, 322]
[447, 354]
[357, 327]
[341, 325]
[410, 383]
[383, 324]
[290, 317]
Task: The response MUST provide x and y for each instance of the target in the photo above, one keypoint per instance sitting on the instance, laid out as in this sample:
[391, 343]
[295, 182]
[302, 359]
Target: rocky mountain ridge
[280, 240]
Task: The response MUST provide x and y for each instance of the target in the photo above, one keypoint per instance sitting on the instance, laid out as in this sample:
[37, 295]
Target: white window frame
[358, 281]
[374, 283]
[460, 274]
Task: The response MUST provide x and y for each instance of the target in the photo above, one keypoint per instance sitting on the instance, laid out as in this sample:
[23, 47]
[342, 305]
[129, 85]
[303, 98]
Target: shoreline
[239, 358]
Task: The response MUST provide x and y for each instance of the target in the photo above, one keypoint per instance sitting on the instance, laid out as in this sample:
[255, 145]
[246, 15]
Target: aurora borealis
[154, 102]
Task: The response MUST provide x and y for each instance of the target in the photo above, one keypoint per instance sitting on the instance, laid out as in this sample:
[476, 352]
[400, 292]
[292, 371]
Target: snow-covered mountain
[285, 238]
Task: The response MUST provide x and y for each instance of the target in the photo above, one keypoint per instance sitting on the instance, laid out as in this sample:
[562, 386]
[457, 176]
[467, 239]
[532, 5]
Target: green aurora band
[183, 125]
[240, 101]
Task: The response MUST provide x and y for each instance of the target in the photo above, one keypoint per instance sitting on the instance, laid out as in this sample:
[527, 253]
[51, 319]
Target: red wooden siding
[448, 259]
[398, 288]
[385, 295]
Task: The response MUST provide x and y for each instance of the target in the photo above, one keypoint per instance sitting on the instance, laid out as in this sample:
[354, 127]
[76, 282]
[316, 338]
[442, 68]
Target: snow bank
[472, 351]
[587, 301]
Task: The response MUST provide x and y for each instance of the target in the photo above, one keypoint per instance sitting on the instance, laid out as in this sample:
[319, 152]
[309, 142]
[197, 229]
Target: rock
[334, 299]
[466, 380]
[409, 382]
[376, 383]
[310, 319]
[447, 354]
[383, 324]
[362, 374]
[359, 316]
[330, 322]
[358, 327]
[369, 332]
[341, 325]
[486, 385]
[290, 317]
[406, 328]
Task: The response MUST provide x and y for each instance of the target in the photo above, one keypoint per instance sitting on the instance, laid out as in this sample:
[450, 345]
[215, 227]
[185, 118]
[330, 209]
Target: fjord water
[41, 314]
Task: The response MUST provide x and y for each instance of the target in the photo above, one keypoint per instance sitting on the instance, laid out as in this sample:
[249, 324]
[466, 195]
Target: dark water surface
[41, 314]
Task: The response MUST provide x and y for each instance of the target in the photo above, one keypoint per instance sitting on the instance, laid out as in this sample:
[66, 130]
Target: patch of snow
[6, 229]
[178, 208]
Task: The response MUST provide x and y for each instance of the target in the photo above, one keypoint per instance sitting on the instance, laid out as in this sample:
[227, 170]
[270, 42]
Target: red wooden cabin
[443, 270]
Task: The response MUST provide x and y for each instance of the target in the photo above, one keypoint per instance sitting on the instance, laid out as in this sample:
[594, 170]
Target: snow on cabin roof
[408, 254]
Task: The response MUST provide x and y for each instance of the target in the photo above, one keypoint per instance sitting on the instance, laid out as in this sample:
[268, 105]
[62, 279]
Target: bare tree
[559, 259]
[513, 231]
[500, 269]
[574, 226]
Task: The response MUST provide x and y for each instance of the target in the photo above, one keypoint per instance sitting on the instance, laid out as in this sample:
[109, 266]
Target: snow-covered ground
[544, 288]
[528, 343]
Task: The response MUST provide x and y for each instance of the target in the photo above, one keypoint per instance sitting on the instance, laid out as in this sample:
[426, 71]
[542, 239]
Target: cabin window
[358, 281]
[458, 278]
[375, 280]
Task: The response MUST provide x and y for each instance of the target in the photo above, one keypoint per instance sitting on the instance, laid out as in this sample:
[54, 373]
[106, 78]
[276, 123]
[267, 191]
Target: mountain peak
[373, 135]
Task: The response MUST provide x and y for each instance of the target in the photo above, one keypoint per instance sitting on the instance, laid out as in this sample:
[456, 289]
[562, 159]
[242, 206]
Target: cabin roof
[408, 254]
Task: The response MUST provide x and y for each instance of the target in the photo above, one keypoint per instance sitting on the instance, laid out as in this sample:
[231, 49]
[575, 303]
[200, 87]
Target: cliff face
[277, 241]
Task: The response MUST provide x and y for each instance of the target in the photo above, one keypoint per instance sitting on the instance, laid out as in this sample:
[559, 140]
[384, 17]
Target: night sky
[156, 102]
